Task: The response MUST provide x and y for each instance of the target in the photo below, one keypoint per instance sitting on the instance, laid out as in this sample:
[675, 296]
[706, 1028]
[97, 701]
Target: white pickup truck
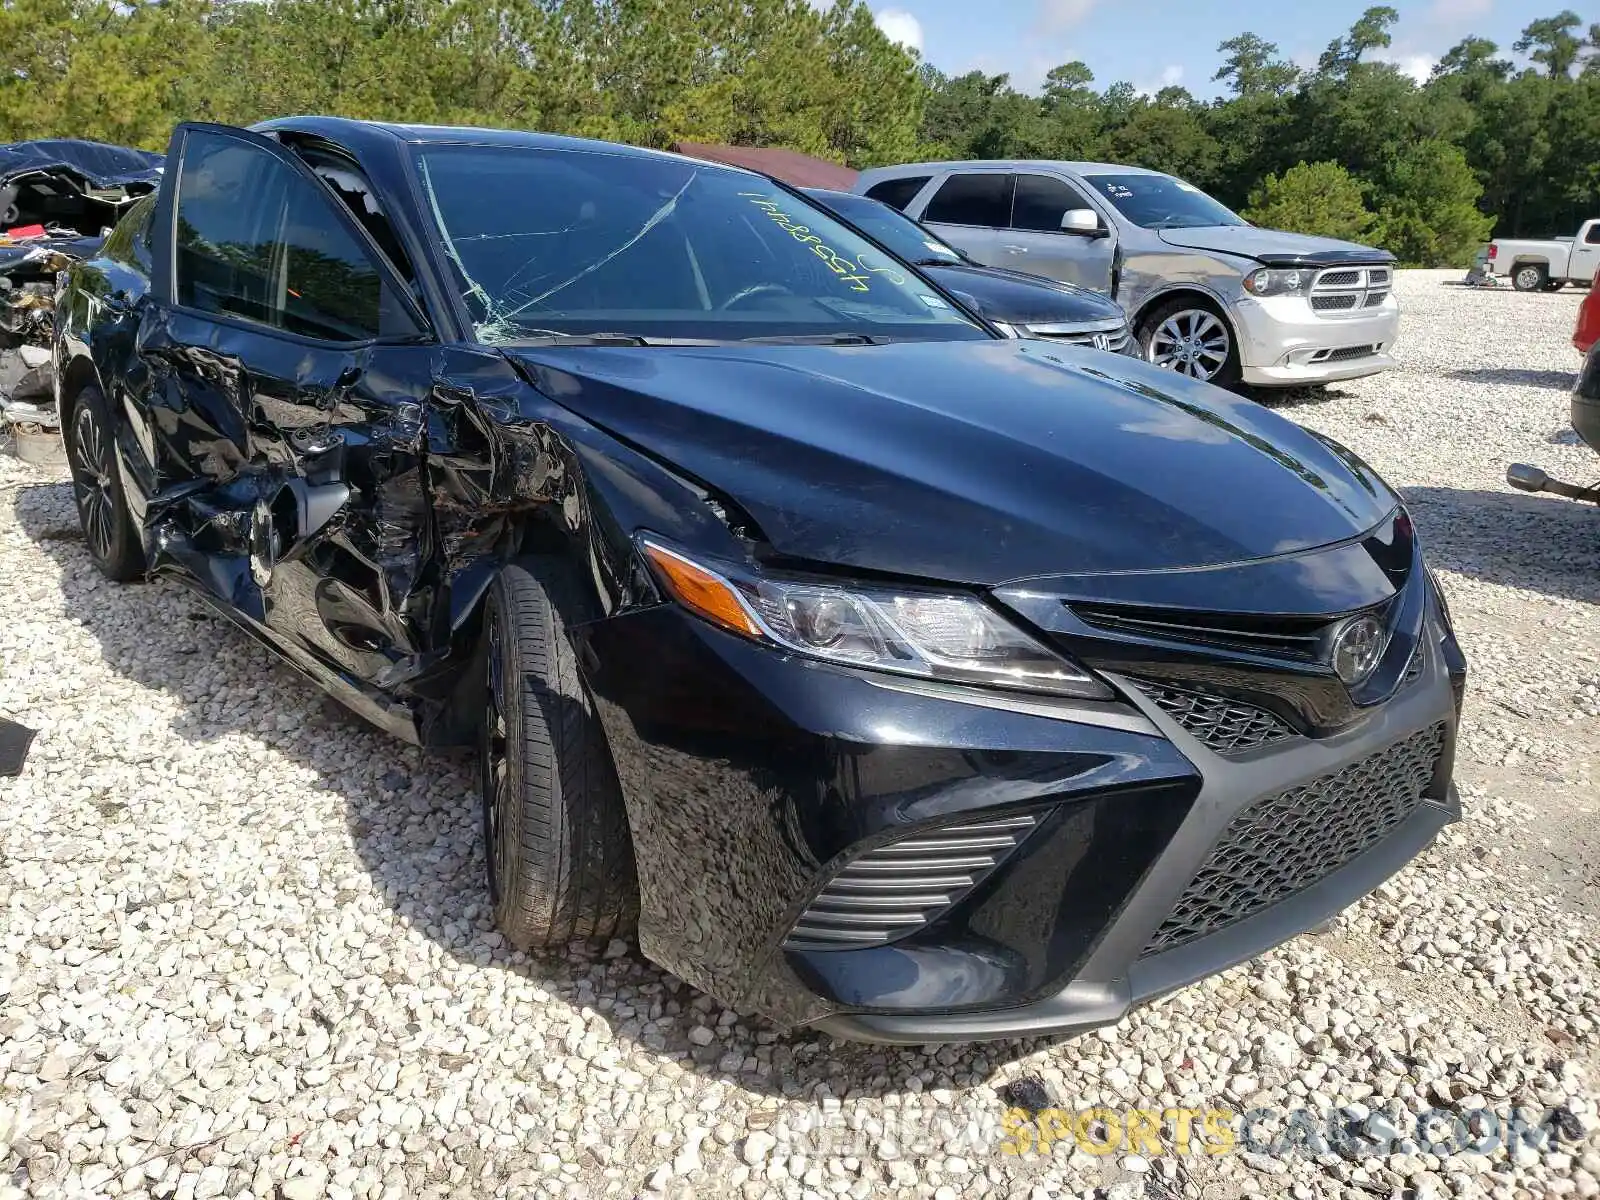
[1548, 265]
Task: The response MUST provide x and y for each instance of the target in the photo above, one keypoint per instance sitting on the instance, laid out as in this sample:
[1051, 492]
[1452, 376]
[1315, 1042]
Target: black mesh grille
[1283, 844]
[1219, 723]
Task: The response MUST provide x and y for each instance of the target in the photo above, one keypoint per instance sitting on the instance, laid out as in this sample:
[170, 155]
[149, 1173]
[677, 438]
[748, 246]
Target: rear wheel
[1193, 339]
[556, 841]
[1529, 277]
[108, 528]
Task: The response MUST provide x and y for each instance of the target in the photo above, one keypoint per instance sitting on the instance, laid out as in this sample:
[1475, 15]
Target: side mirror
[1082, 221]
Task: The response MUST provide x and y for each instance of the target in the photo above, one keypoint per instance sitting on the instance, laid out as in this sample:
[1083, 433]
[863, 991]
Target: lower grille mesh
[897, 889]
[1219, 723]
[1283, 844]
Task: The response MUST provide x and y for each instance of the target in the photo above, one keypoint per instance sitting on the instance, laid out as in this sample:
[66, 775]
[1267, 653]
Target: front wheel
[108, 528]
[556, 841]
[1530, 277]
[1188, 337]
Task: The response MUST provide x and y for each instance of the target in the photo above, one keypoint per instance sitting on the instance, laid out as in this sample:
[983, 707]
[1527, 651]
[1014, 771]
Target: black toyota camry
[887, 675]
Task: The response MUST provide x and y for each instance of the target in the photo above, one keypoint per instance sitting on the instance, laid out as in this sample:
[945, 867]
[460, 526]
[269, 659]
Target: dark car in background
[1022, 305]
[889, 676]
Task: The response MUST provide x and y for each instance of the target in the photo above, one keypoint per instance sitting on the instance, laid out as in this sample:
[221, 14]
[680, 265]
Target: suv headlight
[931, 634]
[1267, 282]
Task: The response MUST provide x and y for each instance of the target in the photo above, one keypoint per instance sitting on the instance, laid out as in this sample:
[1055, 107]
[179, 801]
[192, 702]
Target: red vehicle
[1588, 331]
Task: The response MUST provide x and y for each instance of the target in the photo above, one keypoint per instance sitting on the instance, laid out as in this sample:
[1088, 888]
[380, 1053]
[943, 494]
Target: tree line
[1352, 147]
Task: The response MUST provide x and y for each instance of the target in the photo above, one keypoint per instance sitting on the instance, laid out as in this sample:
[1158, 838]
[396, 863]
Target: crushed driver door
[299, 363]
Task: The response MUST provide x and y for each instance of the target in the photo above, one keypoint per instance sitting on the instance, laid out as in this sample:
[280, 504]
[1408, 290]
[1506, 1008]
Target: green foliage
[1428, 216]
[1316, 198]
[824, 80]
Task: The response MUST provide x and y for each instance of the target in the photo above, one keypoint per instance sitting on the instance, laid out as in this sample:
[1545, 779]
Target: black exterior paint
[1046, 478]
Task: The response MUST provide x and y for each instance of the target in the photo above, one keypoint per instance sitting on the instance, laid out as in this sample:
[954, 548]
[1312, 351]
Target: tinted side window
[129, 243]
[972, 199]
[256, 240]
[1593, 236]
[1041, 200]
[897, 193]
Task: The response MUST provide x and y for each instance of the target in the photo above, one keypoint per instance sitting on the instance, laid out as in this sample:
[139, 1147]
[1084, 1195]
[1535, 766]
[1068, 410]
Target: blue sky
[1154, 42]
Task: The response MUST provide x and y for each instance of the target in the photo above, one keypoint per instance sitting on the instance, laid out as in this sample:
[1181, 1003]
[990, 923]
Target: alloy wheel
[92, 467]
[1528, 278]
[1193, 342]
[495, 763]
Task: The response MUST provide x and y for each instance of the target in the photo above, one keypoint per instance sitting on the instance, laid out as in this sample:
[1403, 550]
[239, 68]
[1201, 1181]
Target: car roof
[1013, 164]
[352, 133]
[832, 194]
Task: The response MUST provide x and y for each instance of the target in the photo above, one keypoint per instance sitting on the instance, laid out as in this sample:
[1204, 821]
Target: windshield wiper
[550, 337]
[941, 261]
[819, 339]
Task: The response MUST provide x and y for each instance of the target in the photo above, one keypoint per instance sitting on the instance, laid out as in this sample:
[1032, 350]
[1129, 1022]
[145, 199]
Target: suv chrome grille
[1281, 845]
[898, 888]
[1350, 289]
[1217, 722]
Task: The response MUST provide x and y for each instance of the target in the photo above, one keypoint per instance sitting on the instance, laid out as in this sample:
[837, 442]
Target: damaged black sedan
[888, 675]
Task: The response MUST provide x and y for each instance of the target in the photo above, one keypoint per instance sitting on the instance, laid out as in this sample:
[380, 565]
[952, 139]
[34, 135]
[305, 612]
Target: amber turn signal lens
[702, 592]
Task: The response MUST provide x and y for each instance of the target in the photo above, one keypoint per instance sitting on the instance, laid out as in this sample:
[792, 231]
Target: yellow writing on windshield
[857, 274]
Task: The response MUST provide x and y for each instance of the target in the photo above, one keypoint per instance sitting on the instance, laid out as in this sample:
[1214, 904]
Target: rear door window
[897, 193]
[972, 198]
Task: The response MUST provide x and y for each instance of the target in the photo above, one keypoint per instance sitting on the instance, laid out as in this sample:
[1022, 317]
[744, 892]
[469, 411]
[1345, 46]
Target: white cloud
[1058, 16]
[900, 26]
[1418, 66]
[1170, 77]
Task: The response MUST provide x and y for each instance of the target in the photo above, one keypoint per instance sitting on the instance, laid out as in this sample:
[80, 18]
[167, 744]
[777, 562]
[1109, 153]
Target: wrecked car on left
[59, 199]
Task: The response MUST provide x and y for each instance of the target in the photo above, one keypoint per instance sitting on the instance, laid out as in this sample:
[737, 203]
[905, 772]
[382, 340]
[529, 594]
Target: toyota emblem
[1356, 648]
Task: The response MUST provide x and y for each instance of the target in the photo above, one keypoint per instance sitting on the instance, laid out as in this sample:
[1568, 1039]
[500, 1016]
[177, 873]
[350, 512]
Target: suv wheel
[1187, 337]
[108, 528]
[555, 833]
[1529, 277]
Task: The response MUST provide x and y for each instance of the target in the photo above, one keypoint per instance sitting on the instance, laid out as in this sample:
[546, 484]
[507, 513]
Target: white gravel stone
[245, 951]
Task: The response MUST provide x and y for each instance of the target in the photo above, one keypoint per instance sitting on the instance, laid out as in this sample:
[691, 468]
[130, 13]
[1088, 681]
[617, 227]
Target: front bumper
[1283, 343]
[752, 779]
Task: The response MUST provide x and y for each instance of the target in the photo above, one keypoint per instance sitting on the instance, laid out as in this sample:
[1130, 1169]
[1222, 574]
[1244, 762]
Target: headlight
[930, 634]
[1267, 282]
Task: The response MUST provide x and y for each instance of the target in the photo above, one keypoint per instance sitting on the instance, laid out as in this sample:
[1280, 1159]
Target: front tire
[1529, 277]
[1193, 339]
[108, 528]
[556, 841]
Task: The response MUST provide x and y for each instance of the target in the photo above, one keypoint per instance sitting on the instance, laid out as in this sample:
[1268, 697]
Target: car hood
[1020, 298]
[974, 461]
[1272, 247]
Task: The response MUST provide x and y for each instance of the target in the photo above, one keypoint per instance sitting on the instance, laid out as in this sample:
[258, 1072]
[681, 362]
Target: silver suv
[1209, 294]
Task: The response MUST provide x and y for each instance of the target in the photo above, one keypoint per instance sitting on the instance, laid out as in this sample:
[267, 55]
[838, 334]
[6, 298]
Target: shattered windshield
[1162, 202]
[557, 241]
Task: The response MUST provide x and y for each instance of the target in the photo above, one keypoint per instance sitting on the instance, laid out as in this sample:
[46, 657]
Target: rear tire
[1529, 277]
[108, 529]
[556, 843]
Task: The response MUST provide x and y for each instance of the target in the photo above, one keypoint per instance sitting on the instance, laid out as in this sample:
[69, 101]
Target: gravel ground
[243, 949]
